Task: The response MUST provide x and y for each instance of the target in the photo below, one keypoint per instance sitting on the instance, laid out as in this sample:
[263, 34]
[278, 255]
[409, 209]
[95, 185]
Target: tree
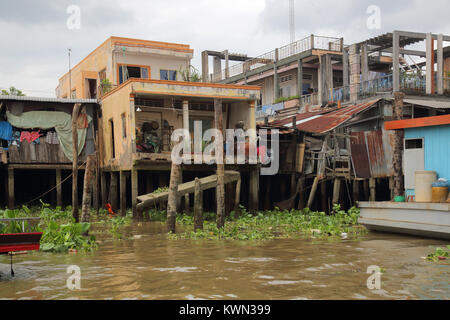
[12, 92]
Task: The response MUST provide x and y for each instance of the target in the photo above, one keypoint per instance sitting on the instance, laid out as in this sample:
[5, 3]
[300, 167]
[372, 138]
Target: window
[126, 72]
[413, 143]
[124, 125]
[102, 75]
[111, 127]
[167, 74]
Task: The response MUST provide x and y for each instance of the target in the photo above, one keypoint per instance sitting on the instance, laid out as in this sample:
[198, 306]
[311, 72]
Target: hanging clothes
[30, 136]
[51, 138]
[15, 139]
[5, 130]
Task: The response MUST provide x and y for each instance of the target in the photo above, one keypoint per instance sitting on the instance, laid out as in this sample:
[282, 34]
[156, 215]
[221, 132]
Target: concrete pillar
[396, 61]
[227, 64]
[300, 80]
[345, 74]
[217, 69]
[132, 123]
[205, 67]
[364, 66]
[325, 79]
[429, 64]
[440, 64]
[329, 77]
[355, 68]
[276, 82]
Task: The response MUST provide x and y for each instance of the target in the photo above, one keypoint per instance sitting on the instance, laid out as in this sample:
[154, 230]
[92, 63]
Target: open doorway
[92, 88]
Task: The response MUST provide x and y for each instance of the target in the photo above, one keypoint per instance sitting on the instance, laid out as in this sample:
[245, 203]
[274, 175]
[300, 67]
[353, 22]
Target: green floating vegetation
[60, 231]
[278, 224]
[439, 254]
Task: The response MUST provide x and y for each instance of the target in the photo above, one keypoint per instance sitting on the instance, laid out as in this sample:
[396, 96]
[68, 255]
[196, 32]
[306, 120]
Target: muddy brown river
[149, 266]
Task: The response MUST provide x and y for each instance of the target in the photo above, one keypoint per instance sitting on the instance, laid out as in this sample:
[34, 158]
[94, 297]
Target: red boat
[13, 242]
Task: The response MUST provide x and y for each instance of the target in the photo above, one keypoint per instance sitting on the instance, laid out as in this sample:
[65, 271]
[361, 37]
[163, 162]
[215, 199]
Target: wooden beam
[123, 193]
[113, 190]
[198, 205]
[220, 189]
[336, 190]
[237, 195]
[134, 191]
[10, 188]
[87, 189]
[75, 113]
[58, 188]
[172, 197]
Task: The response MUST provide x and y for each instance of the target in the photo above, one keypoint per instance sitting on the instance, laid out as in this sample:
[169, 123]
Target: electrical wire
[40, 196]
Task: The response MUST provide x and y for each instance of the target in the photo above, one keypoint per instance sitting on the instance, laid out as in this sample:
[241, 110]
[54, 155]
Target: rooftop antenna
[70, 75]
[291, 21]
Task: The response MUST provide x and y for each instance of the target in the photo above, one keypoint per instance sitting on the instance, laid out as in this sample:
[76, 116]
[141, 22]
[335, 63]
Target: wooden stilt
[268, 196]
[237, 198]
[355, 191]
[366, 189]
[336, 190]
[162, 183]
[220, 189]
[134, 192]
[187, 205]
[198, 206]
[95, 185]
[391, 187]
[323, 193]
[58, 188]
[104, 188]
[313, 192]
[113, 190]
[75, 113]
[372, 186]
[123, 193]
[87, 189]
[293, 184]
[172, 198]
[254, 186]
[301, 198]
[10, 188]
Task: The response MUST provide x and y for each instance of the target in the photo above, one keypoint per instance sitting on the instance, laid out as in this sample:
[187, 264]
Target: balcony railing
[302, 45]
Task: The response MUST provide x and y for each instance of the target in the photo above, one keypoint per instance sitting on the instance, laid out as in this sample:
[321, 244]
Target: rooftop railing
[309, 43]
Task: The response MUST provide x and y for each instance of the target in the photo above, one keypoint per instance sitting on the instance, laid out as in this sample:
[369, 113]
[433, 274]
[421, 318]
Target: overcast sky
[35, 35]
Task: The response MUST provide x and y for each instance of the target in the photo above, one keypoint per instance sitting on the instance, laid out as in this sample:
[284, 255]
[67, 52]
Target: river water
[148, 266]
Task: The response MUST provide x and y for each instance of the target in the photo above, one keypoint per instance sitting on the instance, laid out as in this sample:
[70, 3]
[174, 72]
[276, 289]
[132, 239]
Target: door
[413, 160]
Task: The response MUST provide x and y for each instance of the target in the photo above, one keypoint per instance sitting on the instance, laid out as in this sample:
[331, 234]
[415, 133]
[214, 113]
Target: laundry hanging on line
[5, 130]
[30, 136]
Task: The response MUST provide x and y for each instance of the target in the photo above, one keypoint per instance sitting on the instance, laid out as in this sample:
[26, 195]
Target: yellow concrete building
[142, 102]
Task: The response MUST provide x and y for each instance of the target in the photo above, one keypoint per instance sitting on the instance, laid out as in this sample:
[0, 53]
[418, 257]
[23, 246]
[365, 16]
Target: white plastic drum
[422, 185]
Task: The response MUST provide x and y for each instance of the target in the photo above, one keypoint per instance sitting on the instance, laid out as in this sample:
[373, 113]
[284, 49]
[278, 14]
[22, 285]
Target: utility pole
[70, 75]
[291, 21]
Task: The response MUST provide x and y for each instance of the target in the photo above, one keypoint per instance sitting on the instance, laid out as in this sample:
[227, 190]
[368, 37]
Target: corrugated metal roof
[333, 119]
[45, 99]
[287, 121]
[437, 104]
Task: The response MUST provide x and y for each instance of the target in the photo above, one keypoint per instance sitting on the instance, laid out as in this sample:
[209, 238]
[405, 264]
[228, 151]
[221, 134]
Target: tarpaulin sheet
[61, 121]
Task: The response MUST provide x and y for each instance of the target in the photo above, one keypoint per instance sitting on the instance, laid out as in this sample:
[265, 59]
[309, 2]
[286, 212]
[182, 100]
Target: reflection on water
[149, 266]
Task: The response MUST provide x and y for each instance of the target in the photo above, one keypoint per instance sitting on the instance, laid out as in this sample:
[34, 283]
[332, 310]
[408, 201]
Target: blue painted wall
[437, 147]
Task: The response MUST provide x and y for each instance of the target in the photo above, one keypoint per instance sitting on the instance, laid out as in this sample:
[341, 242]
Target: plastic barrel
[422, 185]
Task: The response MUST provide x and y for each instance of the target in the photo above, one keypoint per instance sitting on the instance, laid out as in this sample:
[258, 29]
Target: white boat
[420, 219]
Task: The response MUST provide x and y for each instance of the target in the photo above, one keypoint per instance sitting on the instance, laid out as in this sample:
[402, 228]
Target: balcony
[311, 42]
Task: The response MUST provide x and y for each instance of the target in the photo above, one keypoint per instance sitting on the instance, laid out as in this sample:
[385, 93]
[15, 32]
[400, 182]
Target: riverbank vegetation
[60, 232]
[439, 254]
[273, 224]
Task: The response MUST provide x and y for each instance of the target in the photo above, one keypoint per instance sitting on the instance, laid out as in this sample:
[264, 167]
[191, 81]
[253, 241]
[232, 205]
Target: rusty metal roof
[287, 121]
[323, 123]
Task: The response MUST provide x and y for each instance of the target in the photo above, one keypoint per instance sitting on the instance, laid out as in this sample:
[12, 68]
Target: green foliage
[161, 190]
[60, 232]
[116, 224]
[439, 254]
[12, 92]
[106, 86]
[278, 224]
[190, 74]
[283, 99]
